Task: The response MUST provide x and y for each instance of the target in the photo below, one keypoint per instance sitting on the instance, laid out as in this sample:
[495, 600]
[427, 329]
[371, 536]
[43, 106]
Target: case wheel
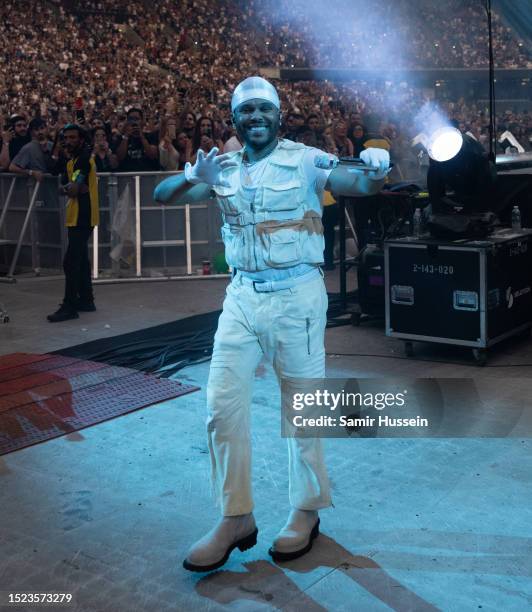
[355, 319]
[481, 356]
[409, 349]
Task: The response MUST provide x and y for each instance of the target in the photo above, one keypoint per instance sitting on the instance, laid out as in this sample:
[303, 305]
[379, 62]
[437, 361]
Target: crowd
[406, 34]
[338, 118]
[177, 63]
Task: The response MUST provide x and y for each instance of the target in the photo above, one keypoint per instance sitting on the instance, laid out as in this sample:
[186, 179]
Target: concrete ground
[108, 513]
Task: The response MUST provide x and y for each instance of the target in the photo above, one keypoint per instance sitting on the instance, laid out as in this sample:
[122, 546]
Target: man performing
[270, 195]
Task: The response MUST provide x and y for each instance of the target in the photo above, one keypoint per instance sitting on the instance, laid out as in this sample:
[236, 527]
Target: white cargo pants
[287, 326]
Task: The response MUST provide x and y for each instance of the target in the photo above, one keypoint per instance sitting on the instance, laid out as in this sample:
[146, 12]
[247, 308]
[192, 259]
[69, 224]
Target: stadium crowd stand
[179, 61]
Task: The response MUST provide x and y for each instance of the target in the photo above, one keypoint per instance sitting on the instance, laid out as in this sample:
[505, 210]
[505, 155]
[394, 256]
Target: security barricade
[137, 238]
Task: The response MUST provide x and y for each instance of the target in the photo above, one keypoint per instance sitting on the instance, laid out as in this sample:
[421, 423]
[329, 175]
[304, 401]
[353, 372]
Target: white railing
[168, 241]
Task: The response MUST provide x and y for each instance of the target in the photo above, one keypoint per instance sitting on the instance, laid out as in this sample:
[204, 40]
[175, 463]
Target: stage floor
[108, 513]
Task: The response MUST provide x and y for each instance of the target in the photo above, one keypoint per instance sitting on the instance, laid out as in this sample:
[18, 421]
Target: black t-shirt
[136, 160]
[102, 164]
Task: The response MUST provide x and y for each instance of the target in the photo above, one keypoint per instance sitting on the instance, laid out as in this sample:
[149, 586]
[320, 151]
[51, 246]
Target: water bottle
[417, 223]
[516, 218]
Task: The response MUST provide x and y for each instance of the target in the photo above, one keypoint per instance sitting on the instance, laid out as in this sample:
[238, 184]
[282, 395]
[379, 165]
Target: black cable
[161, 357]
[167, 356]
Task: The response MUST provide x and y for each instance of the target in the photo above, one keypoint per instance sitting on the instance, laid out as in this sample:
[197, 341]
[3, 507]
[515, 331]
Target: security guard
[82, 214]
[270, 195]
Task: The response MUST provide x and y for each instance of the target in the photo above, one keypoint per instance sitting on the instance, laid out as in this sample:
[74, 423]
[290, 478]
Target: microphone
[327, 161]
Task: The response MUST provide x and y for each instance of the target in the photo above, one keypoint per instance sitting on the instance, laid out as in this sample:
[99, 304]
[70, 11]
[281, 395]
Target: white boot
[213, 550]
[295, 538]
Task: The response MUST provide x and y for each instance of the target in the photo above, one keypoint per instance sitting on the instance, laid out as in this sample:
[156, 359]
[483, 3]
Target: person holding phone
[205, 137]
[187, 124]
[168, 154]
[171, 126]
[104, 158]
[137, 151]
[183, 145]
[15, 135]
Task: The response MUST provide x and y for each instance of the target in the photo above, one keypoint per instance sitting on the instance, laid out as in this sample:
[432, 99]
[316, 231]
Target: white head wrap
[254, 87]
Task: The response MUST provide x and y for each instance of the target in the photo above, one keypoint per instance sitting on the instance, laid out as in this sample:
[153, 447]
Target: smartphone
[80, 115]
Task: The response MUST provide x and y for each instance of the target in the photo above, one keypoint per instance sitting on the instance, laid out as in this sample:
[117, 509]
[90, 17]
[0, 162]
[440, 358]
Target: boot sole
[51, 319]
[243, 544]
[289, 556]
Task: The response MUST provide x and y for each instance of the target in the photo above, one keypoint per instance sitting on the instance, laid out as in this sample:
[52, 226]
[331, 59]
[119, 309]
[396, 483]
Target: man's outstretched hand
[208, 168]
[378, 158]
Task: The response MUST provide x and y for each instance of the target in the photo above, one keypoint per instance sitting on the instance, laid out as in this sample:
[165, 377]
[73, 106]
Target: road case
[465, 292]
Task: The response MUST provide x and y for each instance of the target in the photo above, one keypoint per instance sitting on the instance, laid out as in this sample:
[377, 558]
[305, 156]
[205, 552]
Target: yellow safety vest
[72, 208]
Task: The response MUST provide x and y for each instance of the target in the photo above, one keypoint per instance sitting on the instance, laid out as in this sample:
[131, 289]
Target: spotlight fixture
[444, 144]
[459, 166]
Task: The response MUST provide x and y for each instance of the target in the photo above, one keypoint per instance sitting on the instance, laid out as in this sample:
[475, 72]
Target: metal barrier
[24, 205]
[137, 238]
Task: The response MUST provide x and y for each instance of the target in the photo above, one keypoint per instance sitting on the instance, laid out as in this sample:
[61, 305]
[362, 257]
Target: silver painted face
[257, 122]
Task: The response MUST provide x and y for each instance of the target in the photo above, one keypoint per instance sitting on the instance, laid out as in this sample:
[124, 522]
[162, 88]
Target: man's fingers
[222, 158]
[384, 161]
[201, 155]
[376, 157]
[228, 163]
[212, 153]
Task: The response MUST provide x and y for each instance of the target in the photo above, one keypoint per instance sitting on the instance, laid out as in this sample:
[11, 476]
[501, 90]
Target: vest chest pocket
[283, 247]
[227, 198]
[237, 249]
[281, 196]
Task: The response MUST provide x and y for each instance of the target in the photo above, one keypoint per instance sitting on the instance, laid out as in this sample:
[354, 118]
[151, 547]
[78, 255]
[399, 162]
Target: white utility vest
[282, 227]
